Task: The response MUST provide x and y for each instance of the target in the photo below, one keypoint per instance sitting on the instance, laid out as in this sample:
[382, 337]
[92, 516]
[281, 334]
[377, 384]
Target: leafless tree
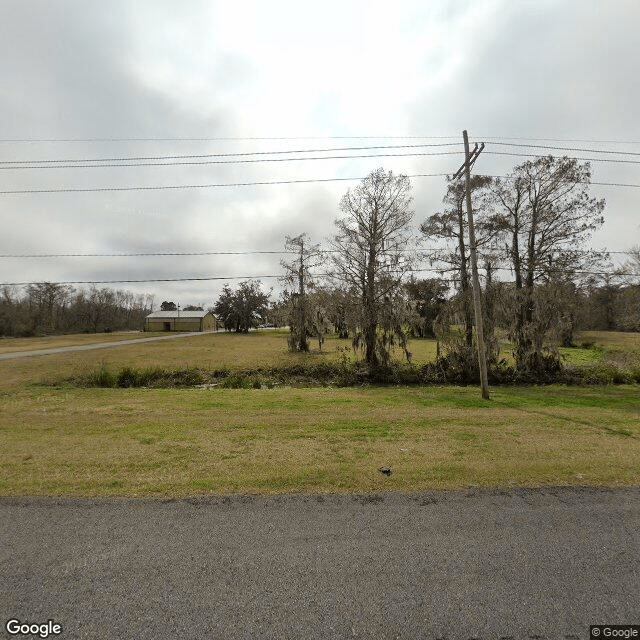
[372, 255]
[627, 303]
[47, 302]
[629, 273]
[545, 213]
[451, 225]
[57, 308]
[302, 316]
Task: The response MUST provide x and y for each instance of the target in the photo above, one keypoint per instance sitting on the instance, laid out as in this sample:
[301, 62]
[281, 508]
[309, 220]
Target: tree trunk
[465, 285]
[371, 316]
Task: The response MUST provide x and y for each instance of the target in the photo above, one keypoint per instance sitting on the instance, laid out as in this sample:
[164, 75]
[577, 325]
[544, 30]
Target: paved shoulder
[480, 564]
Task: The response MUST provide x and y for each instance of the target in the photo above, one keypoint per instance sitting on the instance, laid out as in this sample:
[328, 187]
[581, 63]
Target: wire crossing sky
[142, 128]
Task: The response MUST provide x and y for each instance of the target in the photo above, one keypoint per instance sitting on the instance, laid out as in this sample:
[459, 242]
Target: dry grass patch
[611, 339]
[265, 348]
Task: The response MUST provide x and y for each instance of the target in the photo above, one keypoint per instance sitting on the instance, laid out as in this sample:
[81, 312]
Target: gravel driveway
[95, 345]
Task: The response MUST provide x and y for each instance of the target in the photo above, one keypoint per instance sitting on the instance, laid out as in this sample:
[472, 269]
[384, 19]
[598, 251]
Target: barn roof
[178, 314]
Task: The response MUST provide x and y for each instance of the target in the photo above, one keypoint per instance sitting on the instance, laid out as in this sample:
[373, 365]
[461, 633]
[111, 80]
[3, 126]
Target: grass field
[176, 442]
[209, 351]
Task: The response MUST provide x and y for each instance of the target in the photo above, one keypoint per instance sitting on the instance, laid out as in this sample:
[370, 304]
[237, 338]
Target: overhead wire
[270, 276]
[428, 253]
[587, 140]
[198, 186]
[77, 162]
[243, 161]
[255, 138]
[128, 255]
[199, 159]
[534, 155]
[236, 154]
[590, 182]
[220, 139]
[260, 183]
[580, 149]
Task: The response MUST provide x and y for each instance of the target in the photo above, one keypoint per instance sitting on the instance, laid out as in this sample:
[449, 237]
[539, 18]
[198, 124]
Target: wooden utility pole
[477, 298]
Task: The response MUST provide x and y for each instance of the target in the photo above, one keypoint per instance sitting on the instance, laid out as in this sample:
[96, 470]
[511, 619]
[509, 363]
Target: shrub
[448, 369]
[128, 377]
[233, 381]
[103, 377]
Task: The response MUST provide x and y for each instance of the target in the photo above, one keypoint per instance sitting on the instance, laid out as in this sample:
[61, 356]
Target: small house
[180, 321]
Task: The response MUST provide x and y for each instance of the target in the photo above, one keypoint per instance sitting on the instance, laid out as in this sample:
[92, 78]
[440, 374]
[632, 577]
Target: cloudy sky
[157, 79]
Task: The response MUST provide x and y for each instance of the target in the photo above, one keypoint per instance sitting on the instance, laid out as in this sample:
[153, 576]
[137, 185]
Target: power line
[182, 160]
[590, 182]
[255, 138]
[263, 183]
[128, 255]
[540, 146]
[270, 276]
[533, 155]
[206, 278]
[587, 140]
[200, 186]
[431, 255]
[221, 155]
[222, 139]
[244, 161]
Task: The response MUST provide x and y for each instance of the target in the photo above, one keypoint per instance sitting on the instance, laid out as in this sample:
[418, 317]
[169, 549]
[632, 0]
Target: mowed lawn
[177, 442]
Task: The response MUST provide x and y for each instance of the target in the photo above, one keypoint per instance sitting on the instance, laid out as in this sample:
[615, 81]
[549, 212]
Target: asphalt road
[530, 564]
[95, 345]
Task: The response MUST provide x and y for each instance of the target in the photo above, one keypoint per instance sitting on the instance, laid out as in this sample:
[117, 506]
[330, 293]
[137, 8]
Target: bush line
[345, 375]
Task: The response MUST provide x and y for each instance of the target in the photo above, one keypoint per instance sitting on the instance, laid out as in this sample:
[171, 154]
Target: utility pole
[301, 300]
[470, 158]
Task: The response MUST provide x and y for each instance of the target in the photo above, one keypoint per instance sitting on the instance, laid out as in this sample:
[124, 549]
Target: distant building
[180, 321]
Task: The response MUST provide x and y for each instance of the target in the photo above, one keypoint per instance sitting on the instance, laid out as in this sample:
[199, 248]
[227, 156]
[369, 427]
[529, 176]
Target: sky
[159, 79]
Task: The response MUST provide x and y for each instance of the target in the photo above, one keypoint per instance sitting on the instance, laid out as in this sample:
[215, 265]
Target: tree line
[532, 224]
[49, 308]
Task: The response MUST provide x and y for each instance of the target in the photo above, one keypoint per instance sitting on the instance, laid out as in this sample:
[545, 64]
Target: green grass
[64, 440]
[164, 442]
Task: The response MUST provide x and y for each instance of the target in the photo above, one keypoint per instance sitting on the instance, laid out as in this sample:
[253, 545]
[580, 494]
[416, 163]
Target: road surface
[526, 563]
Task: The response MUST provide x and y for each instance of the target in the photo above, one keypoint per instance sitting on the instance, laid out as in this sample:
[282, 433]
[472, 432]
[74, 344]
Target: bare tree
[337, 306]
[627, 303]
[47, 303]
[52, 307]
[372, 256]
[545, 213]
[451, 225]
[630, 270]
[302, 316]
[14, 313]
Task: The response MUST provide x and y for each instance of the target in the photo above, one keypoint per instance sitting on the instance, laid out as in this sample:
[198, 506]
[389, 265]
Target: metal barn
[180, 321]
